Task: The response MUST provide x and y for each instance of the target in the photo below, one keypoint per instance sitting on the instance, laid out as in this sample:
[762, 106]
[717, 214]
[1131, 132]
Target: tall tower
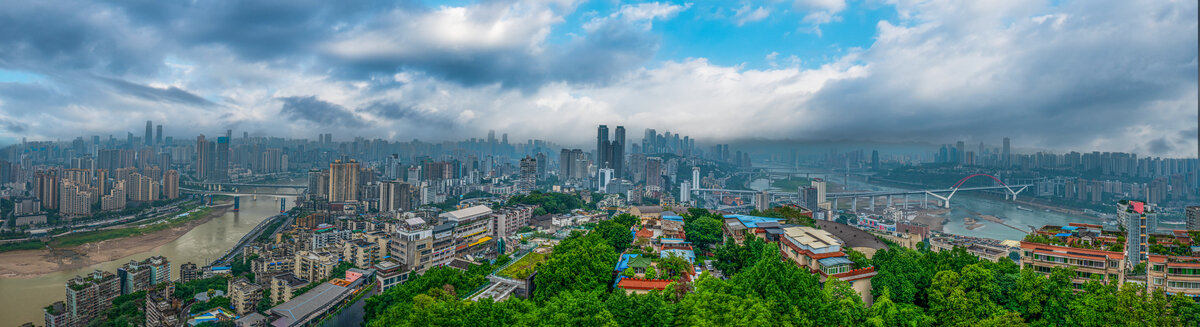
[695, 177]
[158, 135]
[602, 146]
[221, 169]
[1006, 156]
[617, 158]
[343, 181]
[204, 159]
[149, 140]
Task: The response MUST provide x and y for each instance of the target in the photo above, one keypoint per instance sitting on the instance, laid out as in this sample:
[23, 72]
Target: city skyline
[1069, 75]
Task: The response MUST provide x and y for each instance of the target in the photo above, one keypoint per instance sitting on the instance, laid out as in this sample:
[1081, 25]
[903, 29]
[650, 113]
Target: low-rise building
[283, 286]
[421, 245]
[360, 253]
[736, 226]
[1085, 248]
[389, 273]
[472, 228]
[821, 253]
[314, 266]
[243, 295]
[266, 267]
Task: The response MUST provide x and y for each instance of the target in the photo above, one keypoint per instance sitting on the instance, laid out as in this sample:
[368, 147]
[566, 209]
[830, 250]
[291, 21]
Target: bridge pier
[872, 200]
[925, 204]
[854, 204]
[905, 201]
[889, 203]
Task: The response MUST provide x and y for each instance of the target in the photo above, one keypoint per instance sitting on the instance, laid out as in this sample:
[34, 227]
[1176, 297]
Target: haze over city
[1073, 75]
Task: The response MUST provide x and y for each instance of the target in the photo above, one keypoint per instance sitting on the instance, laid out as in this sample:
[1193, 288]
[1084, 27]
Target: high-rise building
[88, 297]
[115, 199]
[654, 173]
[221, 172]
[762, 201]
[75, 199]
[137, 276]
[204, 158]
[343, 181]
[1140, 221]
[602, 147]
[46, 188]
[158, 135]
[170, 184]
[162, 309]
[56, 315]
[961, 156]
[149, 140]
[617, 153]
[564, 164]
[1006, 156]
[188, 272]
[695, 177]
[395, 196]
[528, 179]
[1193, 218]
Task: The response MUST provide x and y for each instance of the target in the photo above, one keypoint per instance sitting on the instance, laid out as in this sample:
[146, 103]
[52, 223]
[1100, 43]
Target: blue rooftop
[675, 218]
[1070, 228]
[752, 221]
[686, 254]
[1062, 234]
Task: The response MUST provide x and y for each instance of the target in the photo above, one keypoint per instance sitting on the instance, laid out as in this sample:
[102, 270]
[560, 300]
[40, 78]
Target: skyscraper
[602, 146]
[1140, 221]
[564, 164]
[528, 175]
[617, 159]
[961, 155]
[158, 135]
[1006, 156]
[343, 181]
[221, 169]
[170, 184]
[149, 140]
[204, 158]
[654, 172]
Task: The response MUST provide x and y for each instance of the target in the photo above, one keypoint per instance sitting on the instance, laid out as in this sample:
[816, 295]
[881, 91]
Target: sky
[1095, 75]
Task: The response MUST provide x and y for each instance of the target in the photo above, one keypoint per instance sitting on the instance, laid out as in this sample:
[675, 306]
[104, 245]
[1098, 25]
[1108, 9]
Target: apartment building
[421, 245]
[243, 295]
[1086, 248]
[88, 297]
[821, 253]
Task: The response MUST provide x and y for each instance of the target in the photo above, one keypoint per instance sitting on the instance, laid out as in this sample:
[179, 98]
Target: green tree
[651, 273]
[580, 262]
[713, 305]
[618, 236]
[703, 232]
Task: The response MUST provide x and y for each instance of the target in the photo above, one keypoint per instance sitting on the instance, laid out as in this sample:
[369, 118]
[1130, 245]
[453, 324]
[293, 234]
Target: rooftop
[812, 237]
[752, 221]
[295, 311]
[467, 214]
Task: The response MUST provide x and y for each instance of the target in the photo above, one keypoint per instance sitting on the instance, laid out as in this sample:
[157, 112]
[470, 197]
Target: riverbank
[78, 252]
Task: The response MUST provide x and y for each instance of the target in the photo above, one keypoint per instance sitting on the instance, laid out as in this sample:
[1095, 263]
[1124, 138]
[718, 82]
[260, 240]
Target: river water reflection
[22, 299]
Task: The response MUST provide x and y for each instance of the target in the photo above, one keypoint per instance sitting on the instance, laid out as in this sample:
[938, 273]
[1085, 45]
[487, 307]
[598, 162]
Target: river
[22, 299]
[962, 206]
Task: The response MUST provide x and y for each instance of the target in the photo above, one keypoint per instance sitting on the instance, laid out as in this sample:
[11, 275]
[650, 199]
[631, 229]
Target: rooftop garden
[523, 267]
[1079, 244]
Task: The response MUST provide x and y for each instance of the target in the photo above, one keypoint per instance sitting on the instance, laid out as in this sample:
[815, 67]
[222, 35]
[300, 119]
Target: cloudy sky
[1089, 75]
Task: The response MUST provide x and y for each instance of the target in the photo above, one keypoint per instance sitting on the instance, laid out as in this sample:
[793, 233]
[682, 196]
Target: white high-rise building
[695, 177]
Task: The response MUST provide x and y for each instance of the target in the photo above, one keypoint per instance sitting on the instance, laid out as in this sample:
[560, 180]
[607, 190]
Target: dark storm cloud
[319, 112]
[46, 37]
[406, 113]
[171, 94]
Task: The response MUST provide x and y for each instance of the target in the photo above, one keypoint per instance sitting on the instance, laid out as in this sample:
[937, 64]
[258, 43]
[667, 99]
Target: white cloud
[747, 14]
